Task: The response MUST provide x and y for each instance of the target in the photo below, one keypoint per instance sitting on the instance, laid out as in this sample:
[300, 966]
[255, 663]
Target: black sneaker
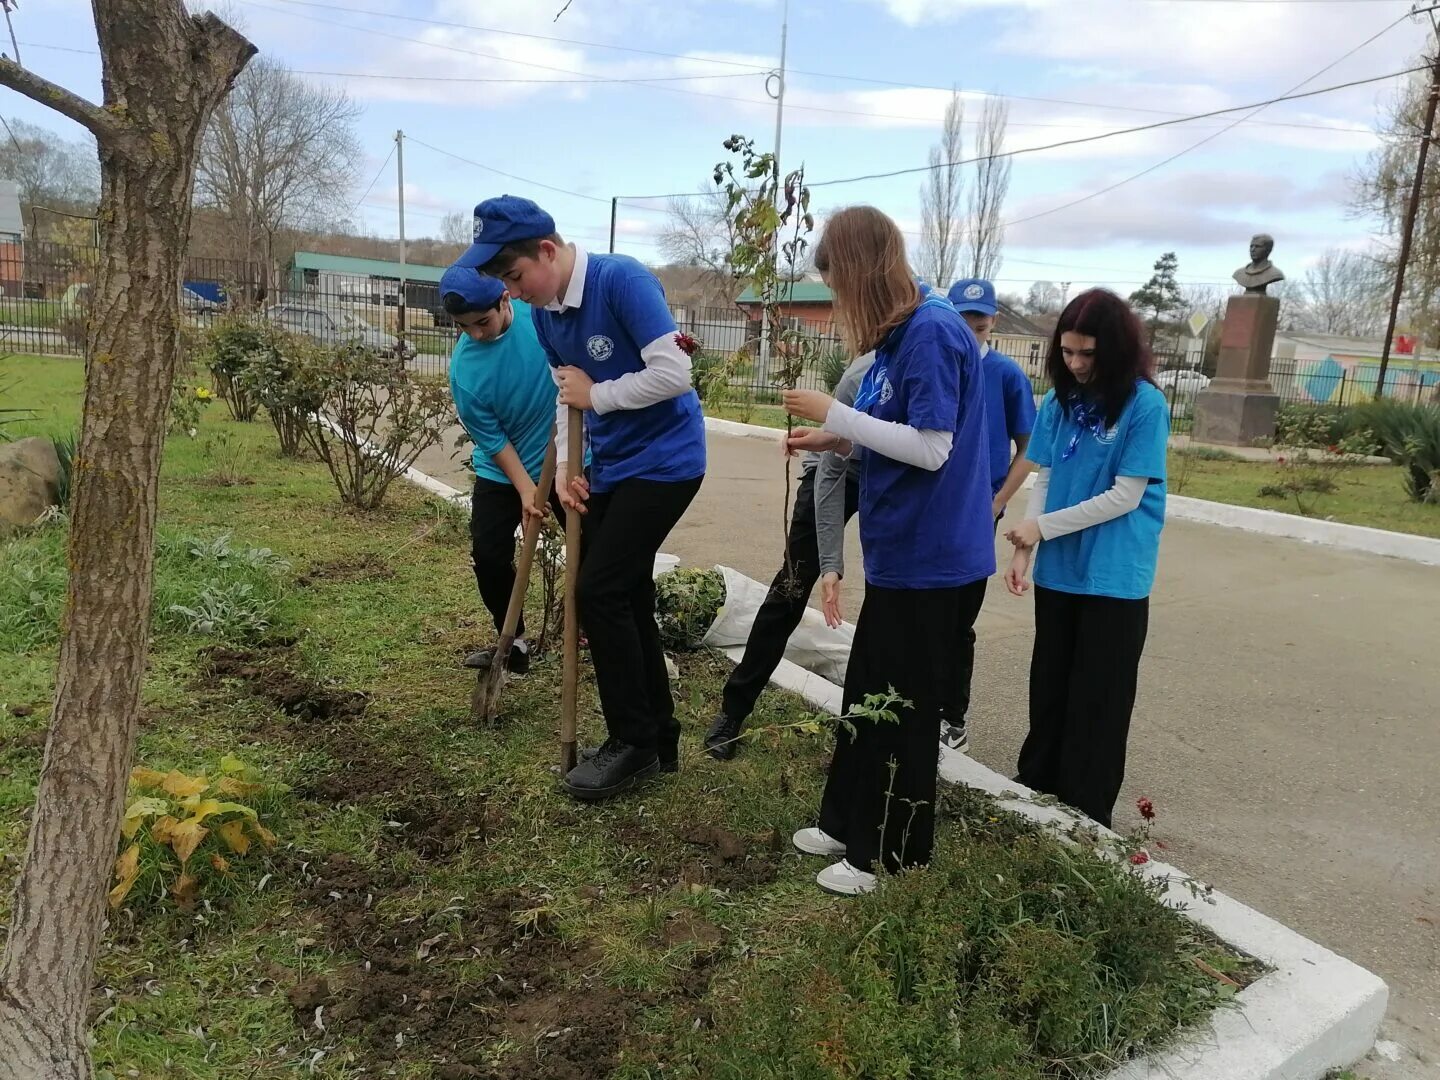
[721, 741]
[955, 736]
[481, 659]
[669, 756]
[615, 767]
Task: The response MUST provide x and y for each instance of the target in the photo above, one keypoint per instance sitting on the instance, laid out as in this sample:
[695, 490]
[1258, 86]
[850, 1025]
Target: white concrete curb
[1314, 1012]
[1359, 538]
[1421, 549]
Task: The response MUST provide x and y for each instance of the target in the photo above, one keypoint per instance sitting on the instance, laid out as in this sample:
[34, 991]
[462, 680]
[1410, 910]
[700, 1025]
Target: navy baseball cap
[974, 294]
[476, 289]
[503, 221]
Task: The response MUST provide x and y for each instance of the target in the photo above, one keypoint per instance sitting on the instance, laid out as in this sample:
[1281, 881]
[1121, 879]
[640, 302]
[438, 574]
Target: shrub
[373, 418]
[228, 349]
[274, 376]
[686, 604]
[1408, 435]
[832, 368]
[182, 833]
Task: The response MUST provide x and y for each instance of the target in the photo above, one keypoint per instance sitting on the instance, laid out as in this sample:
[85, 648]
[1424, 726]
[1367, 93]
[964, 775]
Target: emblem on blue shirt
[974, 292]
[886, 390]
[600, 348]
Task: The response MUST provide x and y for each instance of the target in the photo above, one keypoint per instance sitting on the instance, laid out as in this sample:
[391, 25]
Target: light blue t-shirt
[924, 529]
[1117, 558]
[504, 392]
[1009, 410]
[622, 310]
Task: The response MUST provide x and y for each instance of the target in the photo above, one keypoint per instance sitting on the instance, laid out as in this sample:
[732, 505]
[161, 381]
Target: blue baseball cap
[974, 294]
[503, 221]
[925, 287]
[476, 289]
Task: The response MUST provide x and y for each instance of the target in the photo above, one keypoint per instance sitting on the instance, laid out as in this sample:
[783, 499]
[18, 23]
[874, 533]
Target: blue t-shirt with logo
[504, 392]
[1084, 457]
[1009, 410]
[623, 309]
[921, 529]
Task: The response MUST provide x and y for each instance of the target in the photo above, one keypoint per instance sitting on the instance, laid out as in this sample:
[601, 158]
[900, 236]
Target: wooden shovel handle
[570, 685]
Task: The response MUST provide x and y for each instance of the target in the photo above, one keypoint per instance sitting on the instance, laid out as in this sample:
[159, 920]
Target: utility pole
[1408, 233]
[614, 209]
[400, 182]
[779, 95]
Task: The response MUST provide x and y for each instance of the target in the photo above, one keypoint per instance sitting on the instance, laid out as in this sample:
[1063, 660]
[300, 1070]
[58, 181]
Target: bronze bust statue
[1260, 272]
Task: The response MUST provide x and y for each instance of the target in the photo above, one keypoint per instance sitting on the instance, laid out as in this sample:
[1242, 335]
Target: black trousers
[1083, 674]
[616, 595]
[965, 667]
[880, 796]
[784, 605]
[495, 514]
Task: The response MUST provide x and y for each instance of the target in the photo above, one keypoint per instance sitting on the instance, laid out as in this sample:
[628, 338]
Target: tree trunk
[164, 72]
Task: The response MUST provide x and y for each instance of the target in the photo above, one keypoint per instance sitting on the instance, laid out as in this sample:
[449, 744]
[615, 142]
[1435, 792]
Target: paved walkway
[1288, 726]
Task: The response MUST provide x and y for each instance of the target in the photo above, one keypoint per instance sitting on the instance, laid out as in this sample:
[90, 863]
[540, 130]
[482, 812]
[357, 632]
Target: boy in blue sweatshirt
[611, 342]
[1009, 418]
[500, 380]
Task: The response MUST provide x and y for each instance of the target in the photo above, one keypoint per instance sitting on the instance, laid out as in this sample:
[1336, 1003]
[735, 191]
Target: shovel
[570, 686]
[485, 701]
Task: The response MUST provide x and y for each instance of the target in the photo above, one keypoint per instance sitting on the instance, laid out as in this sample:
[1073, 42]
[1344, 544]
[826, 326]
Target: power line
[1214, 135]
[374, 180]
[508, 175]
[1125, 131]
[643, 81]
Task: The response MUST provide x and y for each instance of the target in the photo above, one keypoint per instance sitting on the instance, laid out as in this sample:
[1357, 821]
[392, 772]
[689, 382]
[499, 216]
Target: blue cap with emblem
[479, 291]
[502, 221]
[974, 294]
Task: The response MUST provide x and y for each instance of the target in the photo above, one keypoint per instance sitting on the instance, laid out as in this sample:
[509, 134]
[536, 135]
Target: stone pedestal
[1239, 406]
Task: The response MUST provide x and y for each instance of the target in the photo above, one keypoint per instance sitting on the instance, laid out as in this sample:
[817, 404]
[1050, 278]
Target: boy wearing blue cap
[500, 380]
[611, 342]
[1010, 417]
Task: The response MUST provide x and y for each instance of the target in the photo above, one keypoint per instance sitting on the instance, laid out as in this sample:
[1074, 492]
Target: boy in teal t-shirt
[505, 396]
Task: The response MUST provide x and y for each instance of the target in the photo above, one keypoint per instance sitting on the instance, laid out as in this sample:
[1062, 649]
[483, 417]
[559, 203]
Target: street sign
[1198, 322]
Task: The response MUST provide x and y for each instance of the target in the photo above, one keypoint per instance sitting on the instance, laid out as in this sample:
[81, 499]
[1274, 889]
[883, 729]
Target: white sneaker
[816, 842]
[844, 880]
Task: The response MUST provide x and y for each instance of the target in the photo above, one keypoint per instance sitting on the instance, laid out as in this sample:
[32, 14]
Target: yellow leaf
[264, 835]
[185, 889]
[229, 785]
[163, 829]
[127, 870]
[219, 862]
[201, 809]
[231, 764]
[185, 838]
[233, 833]
[181, 786]
[146, 778]
[140, 808]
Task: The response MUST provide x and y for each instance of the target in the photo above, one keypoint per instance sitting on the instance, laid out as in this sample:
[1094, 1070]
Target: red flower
[1146, 808]
[688, 345]
[1334, 448]
[1281, 459]
[1140, 858]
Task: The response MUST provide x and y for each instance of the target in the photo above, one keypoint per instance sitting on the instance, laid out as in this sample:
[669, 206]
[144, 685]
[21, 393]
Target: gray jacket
[832, 473]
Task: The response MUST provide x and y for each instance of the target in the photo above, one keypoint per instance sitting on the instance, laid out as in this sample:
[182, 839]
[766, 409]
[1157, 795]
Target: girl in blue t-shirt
[1095, 518]
[925, 528]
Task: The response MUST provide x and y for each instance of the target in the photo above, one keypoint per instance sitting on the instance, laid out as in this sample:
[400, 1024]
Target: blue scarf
[1087, 416]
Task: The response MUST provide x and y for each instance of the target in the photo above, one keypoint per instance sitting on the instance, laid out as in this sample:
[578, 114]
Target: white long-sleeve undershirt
[925, 449]
[1110, 504]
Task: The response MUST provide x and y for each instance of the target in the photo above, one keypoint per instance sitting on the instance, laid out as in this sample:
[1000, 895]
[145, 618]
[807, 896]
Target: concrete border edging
[1314, 1012]
[1336, 534]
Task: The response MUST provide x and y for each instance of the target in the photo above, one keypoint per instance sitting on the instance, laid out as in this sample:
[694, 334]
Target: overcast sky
[1286, 172]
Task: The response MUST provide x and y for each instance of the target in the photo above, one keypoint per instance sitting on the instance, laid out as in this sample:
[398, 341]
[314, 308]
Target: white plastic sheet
[813, 645]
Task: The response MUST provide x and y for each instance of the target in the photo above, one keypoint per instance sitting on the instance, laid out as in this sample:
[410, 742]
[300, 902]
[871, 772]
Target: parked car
[1185, 382]
[335, 327]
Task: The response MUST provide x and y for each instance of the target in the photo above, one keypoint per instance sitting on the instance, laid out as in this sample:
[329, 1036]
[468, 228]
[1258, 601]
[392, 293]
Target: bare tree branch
[103, 125]
[563, 10]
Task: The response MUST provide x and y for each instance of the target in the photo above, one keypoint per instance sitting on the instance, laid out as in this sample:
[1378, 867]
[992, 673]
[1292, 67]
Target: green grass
[1372, 495]
[431, 874]
[36, 313]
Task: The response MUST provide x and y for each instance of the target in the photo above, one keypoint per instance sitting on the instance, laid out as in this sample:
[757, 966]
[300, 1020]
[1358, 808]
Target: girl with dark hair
[1095, 516]
[919, 424]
